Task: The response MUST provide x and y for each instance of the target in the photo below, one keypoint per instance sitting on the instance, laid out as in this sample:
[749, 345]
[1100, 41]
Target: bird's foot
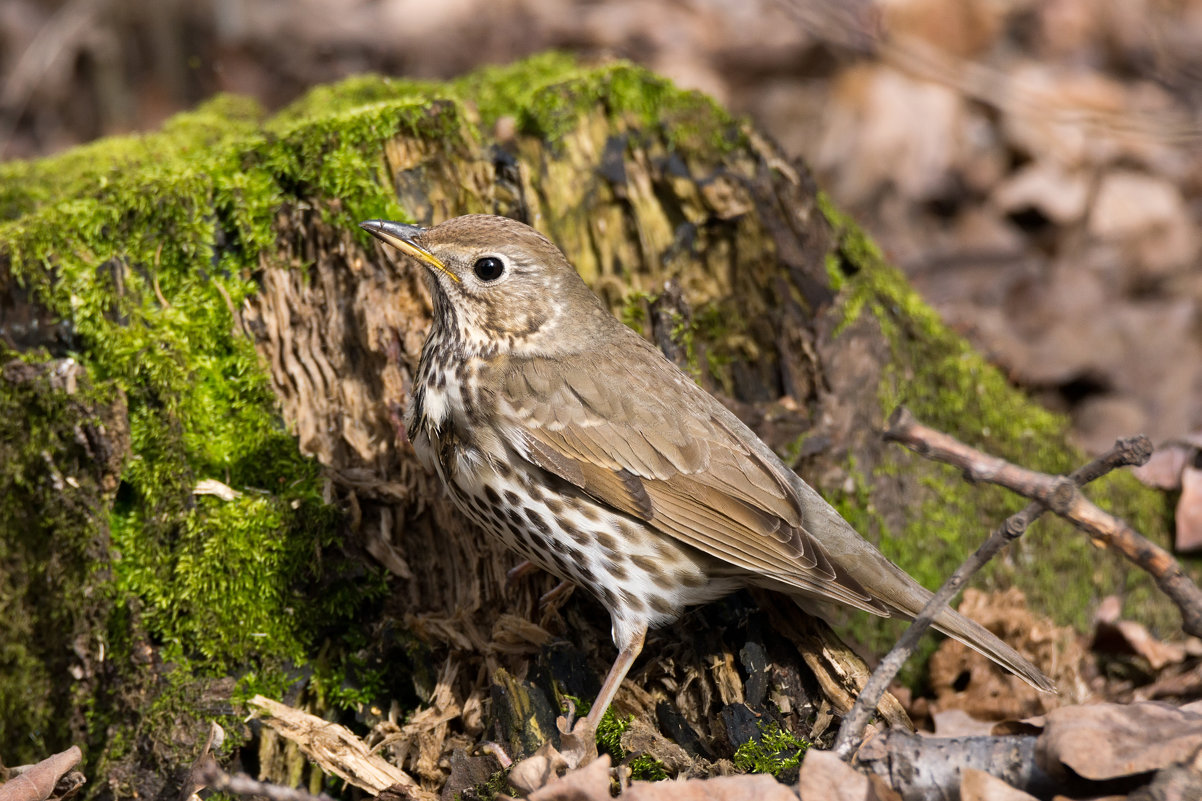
[519, 571]
[556, 594]
[577, 743]
[577, 746]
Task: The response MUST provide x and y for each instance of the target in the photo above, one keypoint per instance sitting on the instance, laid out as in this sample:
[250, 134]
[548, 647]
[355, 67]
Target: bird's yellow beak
[401, 236]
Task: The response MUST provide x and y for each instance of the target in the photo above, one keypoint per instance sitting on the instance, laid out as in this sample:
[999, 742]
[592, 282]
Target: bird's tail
[984, 642]
[960, 628]
[891, 591]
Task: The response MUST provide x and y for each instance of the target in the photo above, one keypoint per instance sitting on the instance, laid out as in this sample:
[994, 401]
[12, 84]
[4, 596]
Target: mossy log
[252, 519]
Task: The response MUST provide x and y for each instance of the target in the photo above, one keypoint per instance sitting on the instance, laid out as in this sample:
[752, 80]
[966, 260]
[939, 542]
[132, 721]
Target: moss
[547, 95]
[776, 751]
[497, 785]
[143, 245]
[609, 739]
[949, 386]
[53, 560]
[339, 155]
[634, 310]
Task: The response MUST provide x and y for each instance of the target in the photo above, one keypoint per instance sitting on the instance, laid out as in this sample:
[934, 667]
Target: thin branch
[904, 428]
[241, 784]
[1061, 495]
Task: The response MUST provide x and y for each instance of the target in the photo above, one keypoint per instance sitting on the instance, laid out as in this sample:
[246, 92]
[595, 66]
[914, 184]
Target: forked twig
[1060, 495]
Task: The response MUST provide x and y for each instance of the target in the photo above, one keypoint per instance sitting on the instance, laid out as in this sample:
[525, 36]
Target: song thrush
[569, 436]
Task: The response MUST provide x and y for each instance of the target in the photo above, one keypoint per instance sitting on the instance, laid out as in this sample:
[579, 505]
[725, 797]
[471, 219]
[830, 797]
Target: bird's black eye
[488, 268]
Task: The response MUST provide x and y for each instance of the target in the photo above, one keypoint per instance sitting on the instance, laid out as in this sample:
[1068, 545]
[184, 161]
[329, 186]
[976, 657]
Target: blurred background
[1034, 167]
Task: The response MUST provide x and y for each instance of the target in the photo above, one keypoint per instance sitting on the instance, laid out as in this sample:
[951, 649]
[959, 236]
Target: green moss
[775, 751]
[339, 155]
[609, 739]
[143, 245]
[497, 785]
[548, 94]
[634, 311]
[53, 560]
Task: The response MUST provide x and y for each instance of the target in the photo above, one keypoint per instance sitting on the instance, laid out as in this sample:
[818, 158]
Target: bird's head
[497, 284]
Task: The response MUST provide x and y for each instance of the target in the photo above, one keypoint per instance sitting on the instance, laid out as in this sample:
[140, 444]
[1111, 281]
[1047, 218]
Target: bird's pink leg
[580, 744]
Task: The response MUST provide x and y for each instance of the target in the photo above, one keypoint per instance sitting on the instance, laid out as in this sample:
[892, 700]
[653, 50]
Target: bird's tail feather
[984, 642]
[954, 625]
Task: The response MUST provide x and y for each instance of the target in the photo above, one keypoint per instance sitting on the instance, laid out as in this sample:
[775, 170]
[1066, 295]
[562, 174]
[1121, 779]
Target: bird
[565, 433]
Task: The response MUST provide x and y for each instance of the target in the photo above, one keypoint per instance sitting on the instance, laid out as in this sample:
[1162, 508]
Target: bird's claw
[560, 591]
[519, 571]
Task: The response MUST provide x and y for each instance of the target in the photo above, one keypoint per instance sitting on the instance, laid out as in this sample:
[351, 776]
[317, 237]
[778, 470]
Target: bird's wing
[648, 442]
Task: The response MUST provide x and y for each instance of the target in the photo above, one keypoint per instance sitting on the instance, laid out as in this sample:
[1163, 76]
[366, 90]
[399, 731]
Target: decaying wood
[840, 672]
[335, 749]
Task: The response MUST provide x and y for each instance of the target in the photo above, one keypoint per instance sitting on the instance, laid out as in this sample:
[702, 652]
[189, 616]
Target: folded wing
[653, 445]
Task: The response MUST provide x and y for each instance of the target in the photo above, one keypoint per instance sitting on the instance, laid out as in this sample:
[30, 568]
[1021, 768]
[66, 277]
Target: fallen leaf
[1189, 511]
[589, 783]
[1163, 470]
[1148, 216]
[977, 785]
[1127, 636]
[1106, 741]
[541, 768]
[958, 723]
[963, 679]
[36, 782]
[1055, 192]
[906, 132]
[825, 777]
[720, 788]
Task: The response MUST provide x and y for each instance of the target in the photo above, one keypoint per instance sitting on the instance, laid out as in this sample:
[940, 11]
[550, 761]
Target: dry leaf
[36, 782]
[1106, 741]
[1148, 217]
[1055, 192]
[963, 679]
[958, 723]
[541, 768]
[1127, 636]
[825, 777]
[720, 788]
[589, 783]
[1189, 511]
[1163, 470]
[977, 785]
[901, 132]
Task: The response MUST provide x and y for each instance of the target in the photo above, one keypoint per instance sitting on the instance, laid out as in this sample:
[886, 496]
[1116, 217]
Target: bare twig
[241, 784]
[1060, 495]
[978, 466]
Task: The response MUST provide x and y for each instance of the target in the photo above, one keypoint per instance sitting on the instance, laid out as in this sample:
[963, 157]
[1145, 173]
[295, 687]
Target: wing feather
[655, 446]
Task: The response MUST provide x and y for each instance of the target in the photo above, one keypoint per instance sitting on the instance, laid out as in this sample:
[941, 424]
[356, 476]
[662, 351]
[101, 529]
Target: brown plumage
[572, 438]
